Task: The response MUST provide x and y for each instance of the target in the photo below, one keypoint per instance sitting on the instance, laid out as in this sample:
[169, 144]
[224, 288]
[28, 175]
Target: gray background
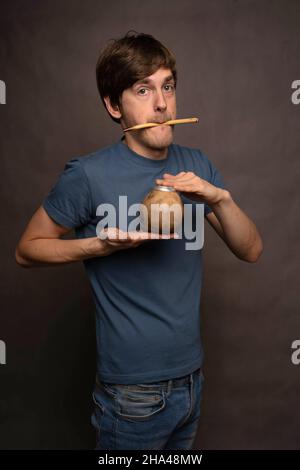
[236, 62]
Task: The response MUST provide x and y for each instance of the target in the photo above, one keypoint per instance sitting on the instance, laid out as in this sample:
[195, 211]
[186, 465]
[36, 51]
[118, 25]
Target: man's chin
[160, 145]
[160, 141]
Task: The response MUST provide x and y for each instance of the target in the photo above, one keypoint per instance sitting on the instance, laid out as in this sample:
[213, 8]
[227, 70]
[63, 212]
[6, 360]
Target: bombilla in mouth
[171, 122]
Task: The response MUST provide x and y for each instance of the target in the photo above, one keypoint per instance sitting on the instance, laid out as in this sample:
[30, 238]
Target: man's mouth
[160, 122]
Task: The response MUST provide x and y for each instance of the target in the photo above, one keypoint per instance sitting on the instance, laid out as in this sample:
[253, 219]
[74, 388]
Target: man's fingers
[150, 236]
[114, 234]
[173, 176]
[171, 181]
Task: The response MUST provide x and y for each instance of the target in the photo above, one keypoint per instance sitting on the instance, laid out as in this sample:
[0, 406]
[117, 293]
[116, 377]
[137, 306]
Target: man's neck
[147, 152]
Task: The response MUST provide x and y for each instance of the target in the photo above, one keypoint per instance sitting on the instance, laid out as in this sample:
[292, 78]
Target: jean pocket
[98, 403]
[111, 389]
[137, 405]
[98, 413]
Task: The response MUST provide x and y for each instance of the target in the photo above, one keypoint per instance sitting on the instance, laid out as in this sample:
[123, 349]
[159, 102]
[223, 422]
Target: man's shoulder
[195, 160]
[101, 155]
[194, 153]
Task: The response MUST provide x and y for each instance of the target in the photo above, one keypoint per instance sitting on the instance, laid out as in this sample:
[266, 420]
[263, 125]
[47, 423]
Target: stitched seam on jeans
[191, 404]
[142, 417]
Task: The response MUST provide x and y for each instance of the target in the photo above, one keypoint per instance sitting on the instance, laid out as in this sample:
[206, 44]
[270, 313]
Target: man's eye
[171, 87]
[142, 90]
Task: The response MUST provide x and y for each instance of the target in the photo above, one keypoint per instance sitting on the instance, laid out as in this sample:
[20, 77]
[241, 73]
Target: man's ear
[114, 110]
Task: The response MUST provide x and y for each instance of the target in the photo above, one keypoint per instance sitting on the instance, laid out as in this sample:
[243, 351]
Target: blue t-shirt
[147, 298]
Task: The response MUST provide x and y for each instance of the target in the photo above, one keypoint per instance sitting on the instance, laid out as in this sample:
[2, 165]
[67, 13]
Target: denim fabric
[160, 415]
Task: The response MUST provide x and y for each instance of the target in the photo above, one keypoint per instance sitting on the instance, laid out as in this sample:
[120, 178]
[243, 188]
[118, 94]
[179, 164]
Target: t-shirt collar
[146, 161]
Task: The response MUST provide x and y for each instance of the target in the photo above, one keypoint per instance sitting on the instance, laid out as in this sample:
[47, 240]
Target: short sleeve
[69, 201]
[216, 179]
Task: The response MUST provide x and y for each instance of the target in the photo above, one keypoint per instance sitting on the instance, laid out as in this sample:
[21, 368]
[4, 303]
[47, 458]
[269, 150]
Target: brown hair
[124, 61]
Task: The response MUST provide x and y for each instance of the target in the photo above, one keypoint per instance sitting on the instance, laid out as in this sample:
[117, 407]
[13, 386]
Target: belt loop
[191, 379]
[169, 386]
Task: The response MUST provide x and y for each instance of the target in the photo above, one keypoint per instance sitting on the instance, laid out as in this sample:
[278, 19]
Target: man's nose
[160, 103]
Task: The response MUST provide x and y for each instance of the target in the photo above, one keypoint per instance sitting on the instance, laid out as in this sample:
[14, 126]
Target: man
[146, 291]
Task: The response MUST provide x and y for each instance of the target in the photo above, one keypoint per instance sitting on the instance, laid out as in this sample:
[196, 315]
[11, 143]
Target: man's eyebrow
[146, 81]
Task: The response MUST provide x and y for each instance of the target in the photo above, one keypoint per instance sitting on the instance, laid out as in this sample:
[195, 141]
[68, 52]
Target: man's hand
[114, 239]
[193, 187]
[238, 231]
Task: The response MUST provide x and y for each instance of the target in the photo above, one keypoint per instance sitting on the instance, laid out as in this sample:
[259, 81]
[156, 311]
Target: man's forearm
[241, 234]
[41, 252]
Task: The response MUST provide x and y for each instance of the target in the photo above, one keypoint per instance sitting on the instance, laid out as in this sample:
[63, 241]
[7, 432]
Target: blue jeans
[159, 415]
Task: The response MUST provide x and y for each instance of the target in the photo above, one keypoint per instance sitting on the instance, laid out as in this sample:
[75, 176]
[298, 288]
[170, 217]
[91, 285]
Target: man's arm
[236, 229]
[215, 224]
[40, 244]
[230, 222]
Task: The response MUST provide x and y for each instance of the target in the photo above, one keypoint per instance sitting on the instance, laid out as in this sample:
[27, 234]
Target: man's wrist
[95, 247]
[223, 198]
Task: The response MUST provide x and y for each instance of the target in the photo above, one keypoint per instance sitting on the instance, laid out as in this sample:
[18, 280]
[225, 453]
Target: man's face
[152, 99]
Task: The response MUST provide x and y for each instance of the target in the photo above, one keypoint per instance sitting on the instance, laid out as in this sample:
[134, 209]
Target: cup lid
[164, 188]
